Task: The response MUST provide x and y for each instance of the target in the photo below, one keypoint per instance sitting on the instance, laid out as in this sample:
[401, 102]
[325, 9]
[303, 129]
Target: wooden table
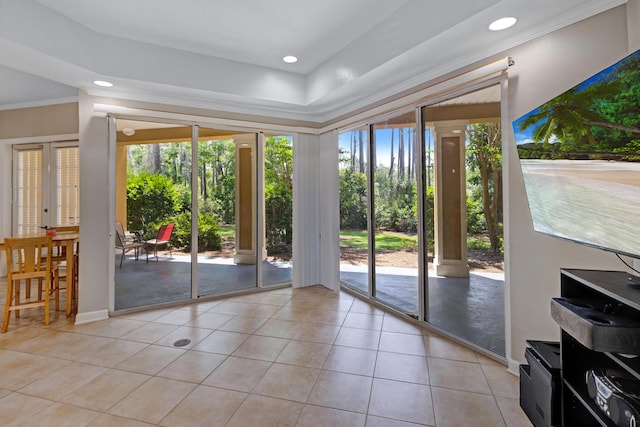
[68, 239]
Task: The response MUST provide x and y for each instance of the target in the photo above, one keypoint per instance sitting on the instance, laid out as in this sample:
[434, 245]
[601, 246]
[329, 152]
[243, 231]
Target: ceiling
[227, 54]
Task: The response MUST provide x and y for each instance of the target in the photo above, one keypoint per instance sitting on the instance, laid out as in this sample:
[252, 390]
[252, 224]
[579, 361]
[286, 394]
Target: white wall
[633, 24]
[544, 68]
[5, 199]
[93, 284]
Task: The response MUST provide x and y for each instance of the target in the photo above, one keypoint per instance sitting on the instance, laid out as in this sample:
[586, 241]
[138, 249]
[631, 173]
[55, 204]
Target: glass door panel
[395, 213]
[153, 189]
[463, 230]
[162, 178]
[278, 209]
[226, 256]
[354, 234]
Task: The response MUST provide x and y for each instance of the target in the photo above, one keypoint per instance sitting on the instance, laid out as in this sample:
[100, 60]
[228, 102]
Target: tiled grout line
[290, 302]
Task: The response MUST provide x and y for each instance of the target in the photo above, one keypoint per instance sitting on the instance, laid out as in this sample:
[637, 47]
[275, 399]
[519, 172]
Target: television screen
[580, 158]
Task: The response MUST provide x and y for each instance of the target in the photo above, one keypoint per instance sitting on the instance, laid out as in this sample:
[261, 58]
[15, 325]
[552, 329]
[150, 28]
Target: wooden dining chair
[60, 257]
[29, 258]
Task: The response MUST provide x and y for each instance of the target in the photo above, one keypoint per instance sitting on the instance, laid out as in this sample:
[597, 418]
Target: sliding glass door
[153, 195]
[226, 228]
[243, 177]
[465, 292]
[395, 212]
[240, 185]
[354, 195]
[421, 215]
[277, 192]
[379, 240]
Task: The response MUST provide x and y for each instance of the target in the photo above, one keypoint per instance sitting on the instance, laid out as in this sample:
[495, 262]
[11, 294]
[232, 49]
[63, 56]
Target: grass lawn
[384, 241]
[227, 232]
[398, 241]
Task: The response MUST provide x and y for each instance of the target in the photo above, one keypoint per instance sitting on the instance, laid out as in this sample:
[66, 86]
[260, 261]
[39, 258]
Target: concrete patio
[472, 309]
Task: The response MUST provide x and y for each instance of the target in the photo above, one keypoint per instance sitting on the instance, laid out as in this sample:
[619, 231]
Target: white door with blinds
[46, 186]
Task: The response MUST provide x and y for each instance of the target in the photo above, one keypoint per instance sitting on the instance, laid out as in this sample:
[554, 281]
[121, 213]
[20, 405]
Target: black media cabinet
[599, 316]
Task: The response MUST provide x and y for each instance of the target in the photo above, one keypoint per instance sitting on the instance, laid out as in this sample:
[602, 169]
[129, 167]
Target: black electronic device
[617, 394]
[540, 383]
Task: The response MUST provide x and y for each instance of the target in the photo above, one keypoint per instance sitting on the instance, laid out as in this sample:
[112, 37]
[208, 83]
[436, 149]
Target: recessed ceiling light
[502, 23]
[290, 59]
[102, 83]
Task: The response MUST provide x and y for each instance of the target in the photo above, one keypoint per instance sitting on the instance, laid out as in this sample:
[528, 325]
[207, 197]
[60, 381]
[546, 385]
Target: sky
[383, 145]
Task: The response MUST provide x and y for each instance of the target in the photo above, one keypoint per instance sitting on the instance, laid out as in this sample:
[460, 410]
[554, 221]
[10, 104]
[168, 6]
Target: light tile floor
[287, 357]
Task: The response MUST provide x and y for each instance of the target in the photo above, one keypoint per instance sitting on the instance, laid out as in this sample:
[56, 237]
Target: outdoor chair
[162, 239]
[128, 236]
[125, 245]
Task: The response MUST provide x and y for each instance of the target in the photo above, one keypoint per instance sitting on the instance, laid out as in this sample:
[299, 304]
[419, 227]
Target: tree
[485, 153]
[171, 158]
[206, 162]
[361, 150]
[278, 192]
[391, 155]
[410, 166]
[353, 150]
[217, 177]
[155, 162]
[353, 193]
[401, 154]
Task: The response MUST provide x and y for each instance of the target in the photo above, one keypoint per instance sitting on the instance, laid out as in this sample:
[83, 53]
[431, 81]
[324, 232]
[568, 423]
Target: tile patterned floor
[287, 357]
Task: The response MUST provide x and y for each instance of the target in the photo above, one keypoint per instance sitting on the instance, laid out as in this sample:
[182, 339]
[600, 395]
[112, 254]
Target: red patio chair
[162, 239]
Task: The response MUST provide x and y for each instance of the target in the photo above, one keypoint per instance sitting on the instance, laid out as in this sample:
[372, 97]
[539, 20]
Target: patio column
[450, 258]
[121, 184]
[246, 193]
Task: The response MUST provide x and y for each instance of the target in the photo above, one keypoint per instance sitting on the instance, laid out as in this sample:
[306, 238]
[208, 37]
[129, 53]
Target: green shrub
[151, 199]
[476, 221]
[208, 232]
[223, 199]
[353, 205]
[278, 219]
[184, 197]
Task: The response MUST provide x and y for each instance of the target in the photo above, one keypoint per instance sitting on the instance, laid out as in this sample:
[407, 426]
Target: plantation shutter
[67, 170]
[28, 190]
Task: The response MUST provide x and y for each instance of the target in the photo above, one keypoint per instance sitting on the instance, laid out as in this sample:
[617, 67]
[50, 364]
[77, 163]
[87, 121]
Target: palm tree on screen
[570, 116]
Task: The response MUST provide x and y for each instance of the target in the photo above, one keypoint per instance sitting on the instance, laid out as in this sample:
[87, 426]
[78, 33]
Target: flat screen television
[580, 158]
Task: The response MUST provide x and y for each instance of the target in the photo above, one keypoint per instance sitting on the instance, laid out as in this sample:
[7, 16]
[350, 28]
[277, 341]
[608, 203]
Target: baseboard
[91, 316]
[514, 367]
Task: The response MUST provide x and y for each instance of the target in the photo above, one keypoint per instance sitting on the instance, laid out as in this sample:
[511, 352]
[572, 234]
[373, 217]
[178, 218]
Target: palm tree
[569, 116]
